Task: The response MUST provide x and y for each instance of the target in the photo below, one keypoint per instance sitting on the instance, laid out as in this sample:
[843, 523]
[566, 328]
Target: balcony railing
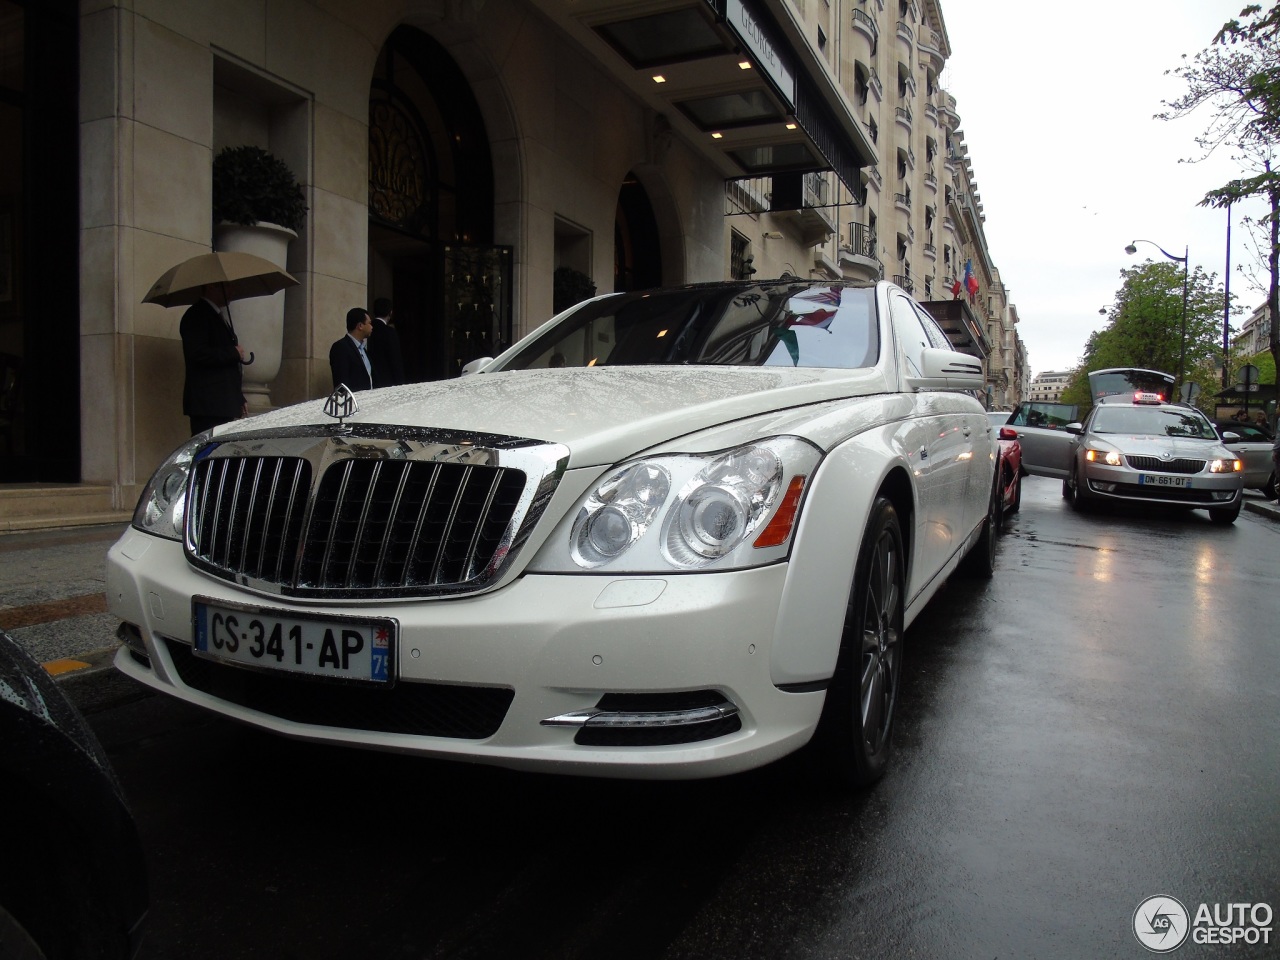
[863, 22]
[902, 199]
[862, 240]
[903, 115]
[904, 281]
[931, 179]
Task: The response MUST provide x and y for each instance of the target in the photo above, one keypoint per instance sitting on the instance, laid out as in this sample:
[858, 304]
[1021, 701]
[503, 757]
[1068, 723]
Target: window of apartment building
[928, 288]
[871, 228]
[861, 83]
[873, 129]
[902, 165]
[902, 247]
[930, 149]
[928, 218]
[946, 195]
[946, 253]
[822, 40]
[740, 267]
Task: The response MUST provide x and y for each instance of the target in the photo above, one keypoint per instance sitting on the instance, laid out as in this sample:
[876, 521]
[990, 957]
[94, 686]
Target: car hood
[601, 414]
[1164, 448]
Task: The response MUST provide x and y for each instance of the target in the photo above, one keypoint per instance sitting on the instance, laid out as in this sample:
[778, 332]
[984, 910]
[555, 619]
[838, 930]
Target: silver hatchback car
[1143, 449]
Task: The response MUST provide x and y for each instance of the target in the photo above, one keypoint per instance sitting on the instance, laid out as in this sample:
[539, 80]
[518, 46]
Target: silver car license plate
[1148, 480]
[349, 648]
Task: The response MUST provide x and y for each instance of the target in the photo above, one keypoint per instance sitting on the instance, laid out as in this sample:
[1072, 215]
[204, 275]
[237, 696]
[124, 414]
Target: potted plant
[258, 208]
[252, 186]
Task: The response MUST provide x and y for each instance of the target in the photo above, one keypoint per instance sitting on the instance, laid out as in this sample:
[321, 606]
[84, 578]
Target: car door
[941, 445]
[1253, 446]
[1046, 445]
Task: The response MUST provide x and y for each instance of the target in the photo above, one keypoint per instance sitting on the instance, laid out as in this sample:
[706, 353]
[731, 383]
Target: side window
[912, 338]
[934, 332]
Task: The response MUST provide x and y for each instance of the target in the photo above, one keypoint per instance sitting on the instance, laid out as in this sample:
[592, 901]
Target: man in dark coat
[212, 356]
[348, 360]
[384, 347]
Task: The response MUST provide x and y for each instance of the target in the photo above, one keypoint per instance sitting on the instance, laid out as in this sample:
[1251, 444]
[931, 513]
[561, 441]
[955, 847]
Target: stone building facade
[454, 154]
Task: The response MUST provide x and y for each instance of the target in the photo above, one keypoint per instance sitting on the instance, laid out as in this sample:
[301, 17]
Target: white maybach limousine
[671, 533]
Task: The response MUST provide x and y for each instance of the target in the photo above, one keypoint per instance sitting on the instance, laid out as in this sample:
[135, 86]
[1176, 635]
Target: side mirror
[948, 370]
[1008, 433]
[476, 366]
[1230, 436]
[1075, 428]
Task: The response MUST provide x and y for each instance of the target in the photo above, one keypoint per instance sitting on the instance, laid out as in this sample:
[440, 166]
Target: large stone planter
[259, 321]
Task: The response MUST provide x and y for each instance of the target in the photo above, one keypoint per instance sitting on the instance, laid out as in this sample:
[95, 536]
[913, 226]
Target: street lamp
[1185, 260]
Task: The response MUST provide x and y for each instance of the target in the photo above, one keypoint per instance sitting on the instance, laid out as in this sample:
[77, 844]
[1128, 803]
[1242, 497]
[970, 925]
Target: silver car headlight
[1110, 457]
[1226, 466]
[727, 510]
[162, 506]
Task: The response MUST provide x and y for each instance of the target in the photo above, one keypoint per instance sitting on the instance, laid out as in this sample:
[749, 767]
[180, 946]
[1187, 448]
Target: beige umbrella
[241, 275]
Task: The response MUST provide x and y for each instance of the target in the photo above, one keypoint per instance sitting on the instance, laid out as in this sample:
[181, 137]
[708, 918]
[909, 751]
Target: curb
[1264, 507]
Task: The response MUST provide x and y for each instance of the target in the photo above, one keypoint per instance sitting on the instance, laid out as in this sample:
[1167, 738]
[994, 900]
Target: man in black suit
[384, 347]
[212, 356]
[348, 359]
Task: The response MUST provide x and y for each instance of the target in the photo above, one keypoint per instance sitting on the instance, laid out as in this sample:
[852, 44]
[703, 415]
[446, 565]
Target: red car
[1010, 468]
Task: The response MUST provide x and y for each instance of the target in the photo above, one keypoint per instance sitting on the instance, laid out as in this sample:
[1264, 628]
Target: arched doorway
[431, 200]
[636, 241]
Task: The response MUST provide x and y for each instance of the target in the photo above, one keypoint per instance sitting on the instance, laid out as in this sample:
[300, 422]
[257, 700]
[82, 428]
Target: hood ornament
[341, 404]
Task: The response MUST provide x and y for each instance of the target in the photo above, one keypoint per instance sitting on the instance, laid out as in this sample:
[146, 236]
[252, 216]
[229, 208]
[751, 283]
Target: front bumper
[537, 657]
[1202, 490]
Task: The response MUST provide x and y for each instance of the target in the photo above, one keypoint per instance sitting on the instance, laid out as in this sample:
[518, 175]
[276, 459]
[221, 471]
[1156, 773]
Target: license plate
[1159, 481]
[350, 648]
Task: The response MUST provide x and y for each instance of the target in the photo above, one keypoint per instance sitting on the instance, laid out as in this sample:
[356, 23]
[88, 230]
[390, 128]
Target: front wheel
[980, 561]
[1225, 515]
[856, 730]
[1270, 490]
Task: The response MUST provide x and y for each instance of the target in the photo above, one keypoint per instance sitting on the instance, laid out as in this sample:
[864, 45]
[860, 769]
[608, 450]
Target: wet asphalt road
[1098, 725]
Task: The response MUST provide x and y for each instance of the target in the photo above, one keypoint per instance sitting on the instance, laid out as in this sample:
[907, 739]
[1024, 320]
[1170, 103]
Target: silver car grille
[1156, 465]
[367, 516]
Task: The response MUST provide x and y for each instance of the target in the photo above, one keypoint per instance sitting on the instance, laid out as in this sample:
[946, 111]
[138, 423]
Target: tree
[1238, 78]
[1145, 328]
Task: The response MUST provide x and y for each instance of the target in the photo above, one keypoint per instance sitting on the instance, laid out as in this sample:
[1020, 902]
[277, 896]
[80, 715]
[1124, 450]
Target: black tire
[855, 734]
[1269, 489]
[980, 561]
[15, 941]
[1067, 493]
[1078, 498]
[1226, 515]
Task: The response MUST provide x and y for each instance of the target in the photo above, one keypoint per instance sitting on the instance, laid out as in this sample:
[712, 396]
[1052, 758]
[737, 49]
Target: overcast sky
[1056, 105]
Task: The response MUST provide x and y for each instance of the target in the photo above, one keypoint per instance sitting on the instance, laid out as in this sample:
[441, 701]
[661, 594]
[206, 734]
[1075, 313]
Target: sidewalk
[52, 600]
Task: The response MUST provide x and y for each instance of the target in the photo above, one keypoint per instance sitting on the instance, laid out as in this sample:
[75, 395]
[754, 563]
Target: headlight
[1109, 457]
[732, 509]
[1225, 466]
[162, 506]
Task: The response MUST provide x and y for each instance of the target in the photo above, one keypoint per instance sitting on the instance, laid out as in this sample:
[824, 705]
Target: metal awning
[961, 326]
[735, 77]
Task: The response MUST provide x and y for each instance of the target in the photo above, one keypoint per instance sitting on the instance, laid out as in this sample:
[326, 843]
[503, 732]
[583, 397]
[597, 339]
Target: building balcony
[903, 202]
[906, 36]
[931, 251]
[931, 113]
[858, 259]
[949, 224]
[815, 216]
[864, 25]
[903, 116]
[931, 179]
[904, 281]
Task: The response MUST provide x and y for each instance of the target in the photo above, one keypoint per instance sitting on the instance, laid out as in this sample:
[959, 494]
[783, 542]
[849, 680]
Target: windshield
[1153, 421]
[788, 325]
[1120, 381]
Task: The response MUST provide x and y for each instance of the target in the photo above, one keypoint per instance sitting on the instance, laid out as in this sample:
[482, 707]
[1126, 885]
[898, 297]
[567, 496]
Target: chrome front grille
[365, 517]
[1156, 465]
